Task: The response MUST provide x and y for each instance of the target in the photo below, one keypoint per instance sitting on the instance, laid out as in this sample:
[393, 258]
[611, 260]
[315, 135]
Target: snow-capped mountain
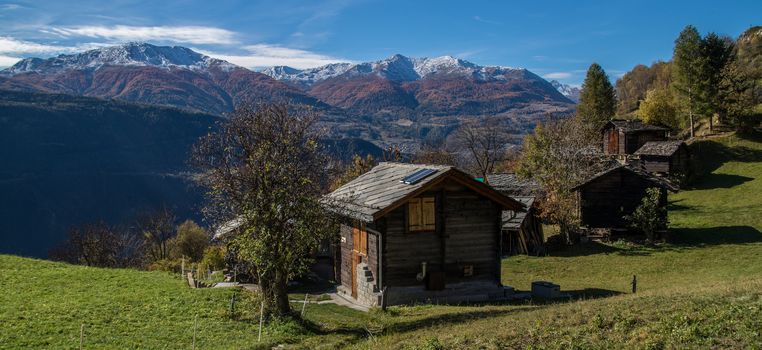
[397, 87]
[572, 92]
[130, 54]
[397, 68]
[307, 77]
[145, 73]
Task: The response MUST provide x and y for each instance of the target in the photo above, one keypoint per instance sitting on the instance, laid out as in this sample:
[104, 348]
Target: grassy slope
[702, 291]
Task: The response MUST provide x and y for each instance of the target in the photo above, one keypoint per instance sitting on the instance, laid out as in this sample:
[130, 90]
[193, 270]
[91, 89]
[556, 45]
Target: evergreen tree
[716, 53]
[597, 101]
[686, 70]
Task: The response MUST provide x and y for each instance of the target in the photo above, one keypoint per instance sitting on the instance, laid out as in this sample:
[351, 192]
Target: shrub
[191, 240]
[650, 217]
[214, 258]
[169, 265]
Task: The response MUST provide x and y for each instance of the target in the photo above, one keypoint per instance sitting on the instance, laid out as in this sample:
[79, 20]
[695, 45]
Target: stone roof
[513, 185]
[659, 148]
[512, 220]
[659, 182]
[631, 125]
[367, 196]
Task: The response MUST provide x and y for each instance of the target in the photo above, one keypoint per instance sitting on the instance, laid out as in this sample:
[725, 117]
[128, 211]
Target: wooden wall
[467, 233]
[636, 139]
[655, 164]
[603, 202]
[345, 261]
[678, 163]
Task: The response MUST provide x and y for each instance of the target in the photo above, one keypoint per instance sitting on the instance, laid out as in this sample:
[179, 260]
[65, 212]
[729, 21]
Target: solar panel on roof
[417, 176]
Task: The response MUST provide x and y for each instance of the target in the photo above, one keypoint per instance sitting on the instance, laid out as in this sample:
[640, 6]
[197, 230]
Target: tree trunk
[693, 128]
[280, 289]
[711, 124]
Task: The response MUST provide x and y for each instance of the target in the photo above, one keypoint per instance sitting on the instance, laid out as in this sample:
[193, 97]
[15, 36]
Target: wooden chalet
[627, 136]
[417, 233]
[522, 230]
[605, 198]
[666, 158]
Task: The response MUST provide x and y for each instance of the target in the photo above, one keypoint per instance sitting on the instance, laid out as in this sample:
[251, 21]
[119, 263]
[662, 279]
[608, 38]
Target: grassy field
[702, 290]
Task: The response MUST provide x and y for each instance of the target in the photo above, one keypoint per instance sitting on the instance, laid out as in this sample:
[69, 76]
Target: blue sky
[555, 39]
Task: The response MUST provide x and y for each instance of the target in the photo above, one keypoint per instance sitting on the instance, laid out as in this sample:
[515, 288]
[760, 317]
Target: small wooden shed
[667, 158]
[605, 198]
[419, 233]
[627, 136]
[522, 230]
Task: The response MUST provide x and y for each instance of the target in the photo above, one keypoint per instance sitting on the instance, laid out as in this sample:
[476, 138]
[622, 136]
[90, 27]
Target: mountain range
[571, 92]
[395, 100]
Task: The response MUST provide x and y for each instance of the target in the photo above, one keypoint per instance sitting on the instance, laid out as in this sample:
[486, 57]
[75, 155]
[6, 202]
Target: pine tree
[597, 101]
[686, 70]
[716, 53]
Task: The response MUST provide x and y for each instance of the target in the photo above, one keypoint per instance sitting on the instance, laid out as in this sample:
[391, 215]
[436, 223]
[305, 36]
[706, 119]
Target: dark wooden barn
[522, 230]
[664, 158]
[605, 198]
[417, 233]
[627, 136]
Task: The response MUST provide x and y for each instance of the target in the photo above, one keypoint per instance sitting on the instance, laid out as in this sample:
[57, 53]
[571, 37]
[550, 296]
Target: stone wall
[367, 293]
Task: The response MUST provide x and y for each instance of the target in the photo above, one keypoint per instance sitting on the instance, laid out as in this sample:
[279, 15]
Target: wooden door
[613, 146]
[359, 250]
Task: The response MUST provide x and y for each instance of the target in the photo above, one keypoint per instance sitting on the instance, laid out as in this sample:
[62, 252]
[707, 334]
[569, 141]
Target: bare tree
[485, 145]
[265, 167]
[559, 155]
[98, 245]
[157, 228]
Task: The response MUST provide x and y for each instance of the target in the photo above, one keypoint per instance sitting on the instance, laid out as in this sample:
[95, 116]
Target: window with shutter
[428, 214]
[421, 214]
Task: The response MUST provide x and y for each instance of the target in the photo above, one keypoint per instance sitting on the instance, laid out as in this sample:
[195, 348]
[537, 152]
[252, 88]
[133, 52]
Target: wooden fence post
[634, 284]
[232, 306]
[305, 303]
[261, 319]
[81, 336]
[195, 321]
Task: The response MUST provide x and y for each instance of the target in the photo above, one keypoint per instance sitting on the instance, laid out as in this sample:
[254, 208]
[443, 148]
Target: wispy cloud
[182, 34]
[482, 20]
[7, 61]
[10, 7]
[13, 45]
[266, 55]
[557, 75]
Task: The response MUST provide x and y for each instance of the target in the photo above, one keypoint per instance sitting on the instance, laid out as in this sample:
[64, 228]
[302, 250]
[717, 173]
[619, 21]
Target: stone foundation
[464, 292]
[367, 292]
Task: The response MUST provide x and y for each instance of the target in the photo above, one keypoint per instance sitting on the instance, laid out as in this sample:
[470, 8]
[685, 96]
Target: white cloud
[7, 61]
[479, 19]
[181, 34]
[557, 75]
[10, 7]
[12, 45]
[266, 55]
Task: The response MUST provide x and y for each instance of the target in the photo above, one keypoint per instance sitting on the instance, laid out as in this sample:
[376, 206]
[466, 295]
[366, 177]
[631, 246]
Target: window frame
[418, 207]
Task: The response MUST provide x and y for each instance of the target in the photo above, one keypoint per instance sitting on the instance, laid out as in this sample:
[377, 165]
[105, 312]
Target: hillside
[69, 160]
[701, 291]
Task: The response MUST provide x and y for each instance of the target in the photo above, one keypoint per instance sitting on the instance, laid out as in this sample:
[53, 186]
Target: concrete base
[464, 292]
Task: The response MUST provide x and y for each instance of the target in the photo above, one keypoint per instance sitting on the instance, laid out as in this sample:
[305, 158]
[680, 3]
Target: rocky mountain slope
[398, 100]
[161, 75]
[571, 92]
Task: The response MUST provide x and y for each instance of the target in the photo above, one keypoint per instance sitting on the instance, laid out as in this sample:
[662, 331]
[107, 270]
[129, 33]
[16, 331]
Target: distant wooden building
[605, 198]
[667, 158]
[522, 230]
[417, 233]
[627, 136]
